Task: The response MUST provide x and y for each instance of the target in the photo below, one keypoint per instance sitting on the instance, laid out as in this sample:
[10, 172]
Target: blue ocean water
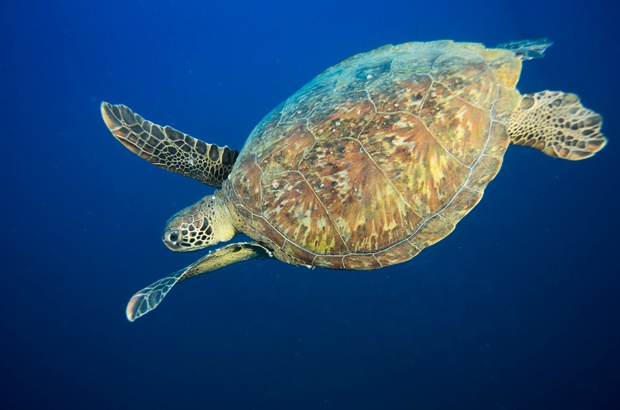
[518, 308]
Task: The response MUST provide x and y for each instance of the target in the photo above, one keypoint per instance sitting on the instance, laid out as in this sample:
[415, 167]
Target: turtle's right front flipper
[168, 148]
[150, 297]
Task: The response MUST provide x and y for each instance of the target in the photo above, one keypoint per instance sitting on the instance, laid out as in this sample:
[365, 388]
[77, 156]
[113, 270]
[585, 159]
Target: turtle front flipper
[168, 148]
[557, 124]
[150, 297]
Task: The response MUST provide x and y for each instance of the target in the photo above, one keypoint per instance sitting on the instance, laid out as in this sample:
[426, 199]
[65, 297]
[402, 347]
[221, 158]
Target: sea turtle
[372, 161]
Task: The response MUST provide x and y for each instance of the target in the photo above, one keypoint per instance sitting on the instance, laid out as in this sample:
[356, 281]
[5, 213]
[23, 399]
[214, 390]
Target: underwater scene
[320, 237]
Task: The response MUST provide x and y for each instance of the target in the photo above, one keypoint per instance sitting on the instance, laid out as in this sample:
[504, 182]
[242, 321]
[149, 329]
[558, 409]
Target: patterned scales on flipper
[557, 124]
[148, 298]
[168, 148]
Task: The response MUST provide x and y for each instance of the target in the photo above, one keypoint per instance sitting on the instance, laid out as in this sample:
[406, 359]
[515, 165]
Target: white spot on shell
[369, 76]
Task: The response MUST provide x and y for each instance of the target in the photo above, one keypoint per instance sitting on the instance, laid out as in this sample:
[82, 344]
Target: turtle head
[198, 226]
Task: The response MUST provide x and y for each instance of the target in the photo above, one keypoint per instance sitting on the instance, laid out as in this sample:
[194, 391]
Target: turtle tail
[557, 124]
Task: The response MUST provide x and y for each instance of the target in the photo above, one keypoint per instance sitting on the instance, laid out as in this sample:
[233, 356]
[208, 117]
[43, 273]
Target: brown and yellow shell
[378, 157]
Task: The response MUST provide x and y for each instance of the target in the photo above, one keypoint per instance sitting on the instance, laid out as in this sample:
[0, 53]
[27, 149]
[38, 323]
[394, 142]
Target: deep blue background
[517, 309]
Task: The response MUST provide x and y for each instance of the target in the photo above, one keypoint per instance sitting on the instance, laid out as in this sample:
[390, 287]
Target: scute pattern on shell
[379, 156]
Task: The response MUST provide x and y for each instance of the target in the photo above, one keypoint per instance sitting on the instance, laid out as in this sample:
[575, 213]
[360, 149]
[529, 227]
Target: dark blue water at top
[518, 308]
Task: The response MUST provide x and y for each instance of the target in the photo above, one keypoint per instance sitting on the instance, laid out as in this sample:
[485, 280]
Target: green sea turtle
[372, 161]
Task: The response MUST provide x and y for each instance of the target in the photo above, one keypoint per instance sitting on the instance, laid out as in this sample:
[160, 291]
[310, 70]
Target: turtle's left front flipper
[148, 298]
[168, 148]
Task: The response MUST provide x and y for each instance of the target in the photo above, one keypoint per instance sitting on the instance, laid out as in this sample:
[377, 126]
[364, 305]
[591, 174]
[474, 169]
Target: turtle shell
[378, 157]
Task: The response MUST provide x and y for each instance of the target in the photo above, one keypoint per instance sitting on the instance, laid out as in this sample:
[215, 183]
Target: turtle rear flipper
[150, 297]
[528, 49]
[557, 124]
[168, 148]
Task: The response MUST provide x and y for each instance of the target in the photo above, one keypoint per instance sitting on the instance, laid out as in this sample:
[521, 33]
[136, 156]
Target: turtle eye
[173, 239]
[173, 236]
